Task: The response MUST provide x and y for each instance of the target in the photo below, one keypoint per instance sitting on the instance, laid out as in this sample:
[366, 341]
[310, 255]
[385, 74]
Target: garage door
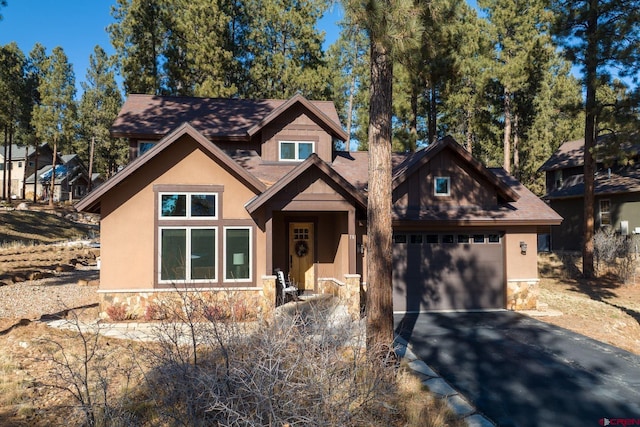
[448, 271]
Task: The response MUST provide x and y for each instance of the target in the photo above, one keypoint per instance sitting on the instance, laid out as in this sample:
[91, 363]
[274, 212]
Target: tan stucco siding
[519, 266]
[128, 226]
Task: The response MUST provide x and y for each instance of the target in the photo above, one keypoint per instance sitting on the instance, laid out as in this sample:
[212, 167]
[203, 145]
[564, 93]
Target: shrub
[117, 313]
[615, 253]
[153, 312]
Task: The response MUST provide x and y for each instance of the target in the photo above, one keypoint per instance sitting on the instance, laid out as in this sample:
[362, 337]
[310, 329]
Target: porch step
[305, 294]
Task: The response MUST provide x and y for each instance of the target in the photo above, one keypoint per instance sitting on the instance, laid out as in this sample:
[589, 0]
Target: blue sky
[79, 25]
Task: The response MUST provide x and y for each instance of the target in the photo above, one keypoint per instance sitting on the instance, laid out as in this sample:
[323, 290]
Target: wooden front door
[301, 254]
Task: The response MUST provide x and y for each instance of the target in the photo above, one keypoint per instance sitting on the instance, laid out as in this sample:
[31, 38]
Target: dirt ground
[604, 309]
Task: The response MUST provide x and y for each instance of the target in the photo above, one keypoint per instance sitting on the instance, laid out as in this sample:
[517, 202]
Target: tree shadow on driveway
[522, 372]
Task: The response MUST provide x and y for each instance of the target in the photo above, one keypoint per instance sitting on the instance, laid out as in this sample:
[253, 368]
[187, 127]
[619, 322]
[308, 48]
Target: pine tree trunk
[9, 177]
[590, 135]
[516, 141]
[25, 173]
[35, 173]
[413, 131]
[52, 184]
[507, 131]
[4, 165]
[379, 308]
[91, 149]
[432, 113]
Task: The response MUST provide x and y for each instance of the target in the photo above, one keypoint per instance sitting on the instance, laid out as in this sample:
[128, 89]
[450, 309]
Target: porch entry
[301, 256]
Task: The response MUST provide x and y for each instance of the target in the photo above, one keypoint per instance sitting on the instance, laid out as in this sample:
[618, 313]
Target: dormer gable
[445, 175]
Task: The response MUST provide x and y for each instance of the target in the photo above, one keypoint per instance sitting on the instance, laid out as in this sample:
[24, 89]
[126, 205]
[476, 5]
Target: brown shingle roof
[150, 116]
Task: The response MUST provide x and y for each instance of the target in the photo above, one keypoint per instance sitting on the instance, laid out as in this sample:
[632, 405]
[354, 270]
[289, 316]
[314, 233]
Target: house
[220, 192]
[22, 164]
[71, 179]
[616, 189]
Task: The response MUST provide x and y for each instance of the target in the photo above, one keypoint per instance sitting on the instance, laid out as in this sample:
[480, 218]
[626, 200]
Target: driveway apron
[519, 371]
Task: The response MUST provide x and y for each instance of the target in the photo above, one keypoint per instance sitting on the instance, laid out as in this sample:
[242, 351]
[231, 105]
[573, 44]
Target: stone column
[268, 296]
[351, 295]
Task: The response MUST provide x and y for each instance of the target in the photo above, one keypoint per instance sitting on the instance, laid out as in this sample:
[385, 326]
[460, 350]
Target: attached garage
[448, 271]
[465, 236]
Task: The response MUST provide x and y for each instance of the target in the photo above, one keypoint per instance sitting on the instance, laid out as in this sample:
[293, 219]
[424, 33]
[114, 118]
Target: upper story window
[557, 178]
[144, 146]
[188, 205]
[295, 150]
[442, 186]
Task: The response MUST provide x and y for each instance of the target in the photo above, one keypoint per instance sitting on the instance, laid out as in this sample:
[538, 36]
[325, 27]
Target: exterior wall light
[523, 248]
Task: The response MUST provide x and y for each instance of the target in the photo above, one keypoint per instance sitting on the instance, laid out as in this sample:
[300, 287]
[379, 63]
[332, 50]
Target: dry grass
[604, 308]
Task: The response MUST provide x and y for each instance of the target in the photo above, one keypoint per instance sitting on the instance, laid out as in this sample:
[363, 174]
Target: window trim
[226, 279]
[188, 216]
[435, 186]
[187, 279]
[297, 149]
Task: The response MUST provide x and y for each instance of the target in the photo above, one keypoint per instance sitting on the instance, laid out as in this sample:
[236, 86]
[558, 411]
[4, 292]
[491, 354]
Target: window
[187, 254]
[447, 238]
[441, 186]
[144, 146]
[295, 150]
[494, 238]
[557, 178]
[188, 234]
[463, 238]
[416, 239]
[605, 212]
[399, 238]
[188, 205]
[237, 243]
[432, 239]
[478, 238]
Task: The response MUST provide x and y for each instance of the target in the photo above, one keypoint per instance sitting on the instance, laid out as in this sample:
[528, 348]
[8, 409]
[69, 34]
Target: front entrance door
[301, 254]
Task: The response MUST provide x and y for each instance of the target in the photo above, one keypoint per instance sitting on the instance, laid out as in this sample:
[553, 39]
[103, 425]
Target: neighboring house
[71, 179]
[23, 163]
[220, 192]
[616, 188]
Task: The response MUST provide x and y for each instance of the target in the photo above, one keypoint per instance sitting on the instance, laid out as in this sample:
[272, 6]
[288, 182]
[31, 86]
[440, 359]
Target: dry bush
[616, 254]
[96, 376]
[305, 367]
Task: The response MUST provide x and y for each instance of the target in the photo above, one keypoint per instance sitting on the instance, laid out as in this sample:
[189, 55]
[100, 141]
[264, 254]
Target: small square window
[416, 239]
[442, 186]
[432, 239]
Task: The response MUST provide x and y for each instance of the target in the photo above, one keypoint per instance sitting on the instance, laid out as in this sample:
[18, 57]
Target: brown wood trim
[219, 224]
[189, 188]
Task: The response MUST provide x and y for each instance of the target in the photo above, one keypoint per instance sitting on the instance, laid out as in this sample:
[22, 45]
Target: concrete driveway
[519, 371]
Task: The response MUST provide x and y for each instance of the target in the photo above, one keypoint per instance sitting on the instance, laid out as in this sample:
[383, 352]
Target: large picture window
[237, 244]
[295, 150]
[187, 254]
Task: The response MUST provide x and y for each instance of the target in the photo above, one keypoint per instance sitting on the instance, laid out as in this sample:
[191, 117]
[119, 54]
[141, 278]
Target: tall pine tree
[596, 35]
[54, 118]
[101, 100]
